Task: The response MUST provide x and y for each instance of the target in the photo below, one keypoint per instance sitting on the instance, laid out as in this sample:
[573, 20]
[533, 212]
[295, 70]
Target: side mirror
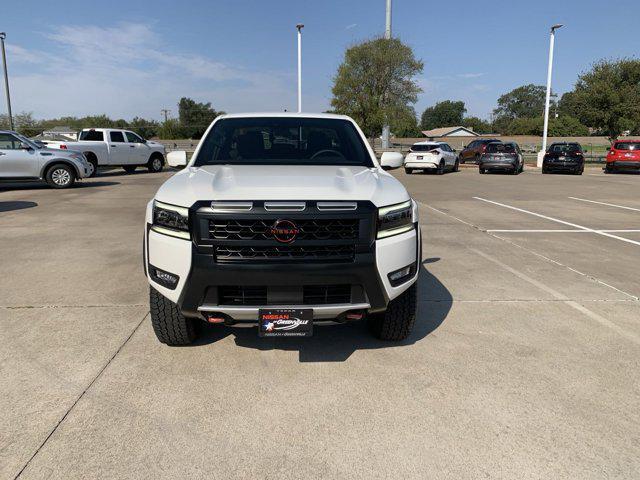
[24, 146]
[391, 160]
[177, 158]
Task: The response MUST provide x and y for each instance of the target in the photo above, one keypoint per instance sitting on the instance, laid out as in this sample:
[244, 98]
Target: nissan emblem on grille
[284, 231]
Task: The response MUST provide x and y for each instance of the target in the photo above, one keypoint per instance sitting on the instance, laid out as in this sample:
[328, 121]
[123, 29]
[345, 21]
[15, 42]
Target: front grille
[310, 229]
[285, 252]
[238, 295]
[326, 294]
[257, 296]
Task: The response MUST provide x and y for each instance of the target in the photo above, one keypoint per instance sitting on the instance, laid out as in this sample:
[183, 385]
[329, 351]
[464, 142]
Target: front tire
[155, 163]
[61, 176]
[482, 171]
[397, 322]
[456, 166]
[169, 325]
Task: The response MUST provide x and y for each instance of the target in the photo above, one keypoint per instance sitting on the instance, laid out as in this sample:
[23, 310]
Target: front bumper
[200, 277]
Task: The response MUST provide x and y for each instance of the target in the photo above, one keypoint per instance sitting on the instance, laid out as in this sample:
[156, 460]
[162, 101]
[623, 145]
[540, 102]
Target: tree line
[193, 119]
[376, 84]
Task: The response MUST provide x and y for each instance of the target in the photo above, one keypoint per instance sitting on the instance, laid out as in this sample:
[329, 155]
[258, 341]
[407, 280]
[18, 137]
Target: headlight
[171, 220]
[395, 219]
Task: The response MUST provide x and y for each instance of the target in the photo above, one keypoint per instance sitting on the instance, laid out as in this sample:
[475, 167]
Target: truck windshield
[283, 141]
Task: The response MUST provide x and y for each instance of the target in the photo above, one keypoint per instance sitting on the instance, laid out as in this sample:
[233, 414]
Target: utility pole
[547, 98]
[386, 130]
[166, 113]
[299, 26]
[6, 79]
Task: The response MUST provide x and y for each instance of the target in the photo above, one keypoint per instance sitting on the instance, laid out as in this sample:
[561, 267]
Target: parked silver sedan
[24, 160]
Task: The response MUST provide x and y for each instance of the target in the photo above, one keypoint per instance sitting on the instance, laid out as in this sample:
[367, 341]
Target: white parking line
[533, 252]
[557, 220]
[564, 231]
[573, 304]
[604, 203]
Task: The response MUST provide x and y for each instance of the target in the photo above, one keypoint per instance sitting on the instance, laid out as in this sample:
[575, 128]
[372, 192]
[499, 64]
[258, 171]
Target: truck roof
[285, 115]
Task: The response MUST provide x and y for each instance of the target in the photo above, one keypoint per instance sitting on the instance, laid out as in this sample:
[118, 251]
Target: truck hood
[281, 182]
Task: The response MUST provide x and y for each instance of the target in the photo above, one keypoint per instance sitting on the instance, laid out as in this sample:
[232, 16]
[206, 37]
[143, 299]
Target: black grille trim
[285, 252]
[255, 296]
[310, 229]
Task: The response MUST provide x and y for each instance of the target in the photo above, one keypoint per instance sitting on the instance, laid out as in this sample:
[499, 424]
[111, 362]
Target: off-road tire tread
[169, 325]
[397, 322]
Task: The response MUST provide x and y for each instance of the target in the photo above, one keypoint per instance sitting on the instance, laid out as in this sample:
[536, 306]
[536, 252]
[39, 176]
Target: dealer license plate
[285, 322]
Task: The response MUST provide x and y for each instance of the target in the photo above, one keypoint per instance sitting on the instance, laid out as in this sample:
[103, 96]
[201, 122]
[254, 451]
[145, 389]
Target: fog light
[400, 276]
[166, 279]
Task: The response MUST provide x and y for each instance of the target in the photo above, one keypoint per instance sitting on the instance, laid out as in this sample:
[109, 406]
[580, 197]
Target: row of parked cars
[494, 155]
[61, 163]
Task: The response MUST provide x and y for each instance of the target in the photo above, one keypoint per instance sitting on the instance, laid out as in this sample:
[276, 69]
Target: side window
[116, 137]
[472, 144]
[9, 142]
[133, 138]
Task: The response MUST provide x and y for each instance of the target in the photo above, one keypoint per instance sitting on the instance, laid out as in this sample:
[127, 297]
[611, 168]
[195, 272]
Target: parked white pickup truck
[113, 147]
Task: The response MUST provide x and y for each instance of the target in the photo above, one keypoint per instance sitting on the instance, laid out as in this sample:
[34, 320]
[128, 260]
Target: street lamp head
[3, 35]
[300, 26]
[556, 26]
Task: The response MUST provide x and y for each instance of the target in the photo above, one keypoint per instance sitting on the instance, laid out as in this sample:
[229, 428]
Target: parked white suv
[431, 156]
[113, 147]
[286, 221]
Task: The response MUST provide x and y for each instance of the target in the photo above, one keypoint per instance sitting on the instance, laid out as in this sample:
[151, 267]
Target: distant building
[57, 133]
[449, 132]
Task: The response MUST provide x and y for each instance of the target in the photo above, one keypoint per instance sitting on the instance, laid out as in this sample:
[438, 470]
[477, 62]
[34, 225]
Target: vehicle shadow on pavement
[44, 186]
[336, 343]
[17, 205]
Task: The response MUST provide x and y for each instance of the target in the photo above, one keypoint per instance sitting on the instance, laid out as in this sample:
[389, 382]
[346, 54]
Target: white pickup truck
[111, 147]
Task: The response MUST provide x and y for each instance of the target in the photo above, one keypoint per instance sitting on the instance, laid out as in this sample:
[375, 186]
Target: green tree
[607, 98]
[443, 114]
[526, 101]
[145, 128]
[375, 82]
[477, 125]
[169, 130]
[195, 117]
[405, 123]
[23, 123]
[563, 126]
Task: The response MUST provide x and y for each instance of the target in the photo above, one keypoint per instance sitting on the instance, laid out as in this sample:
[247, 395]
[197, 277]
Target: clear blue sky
[127, 58]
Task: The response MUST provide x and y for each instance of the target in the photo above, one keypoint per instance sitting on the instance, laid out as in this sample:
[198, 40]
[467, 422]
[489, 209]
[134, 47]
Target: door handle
[2, 153]
[132, 146]
[113, 146]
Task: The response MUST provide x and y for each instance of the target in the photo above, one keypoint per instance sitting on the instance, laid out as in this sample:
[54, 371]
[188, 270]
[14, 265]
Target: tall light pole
[386, 130]
[299, 26]
[546, 103]
[6, 79]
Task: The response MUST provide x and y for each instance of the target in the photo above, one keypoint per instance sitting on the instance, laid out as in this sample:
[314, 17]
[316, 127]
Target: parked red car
[623, 155]
[473, 151]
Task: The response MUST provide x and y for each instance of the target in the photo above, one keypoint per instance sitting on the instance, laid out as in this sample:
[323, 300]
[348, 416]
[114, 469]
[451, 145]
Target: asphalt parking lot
[524, 363]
